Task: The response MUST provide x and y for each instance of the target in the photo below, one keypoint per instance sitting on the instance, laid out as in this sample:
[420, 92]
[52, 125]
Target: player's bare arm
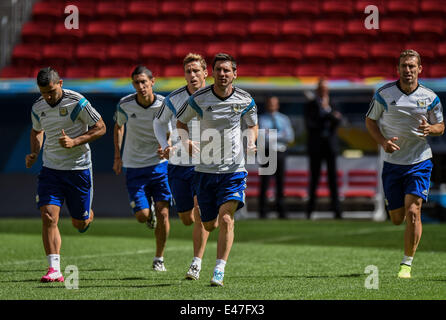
[388, 145]
[431, 129]
[118, 134]
[93, 133]
[253, 132]
[183, 133]
[36, 141]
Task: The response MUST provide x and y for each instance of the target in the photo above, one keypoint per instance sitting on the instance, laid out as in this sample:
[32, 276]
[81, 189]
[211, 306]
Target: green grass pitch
[270, 260]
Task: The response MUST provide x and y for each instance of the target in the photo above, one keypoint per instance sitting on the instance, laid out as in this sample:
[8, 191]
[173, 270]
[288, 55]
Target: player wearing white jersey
[69, 123]
[220, 182]
[146, 170]
[181, 174]
[407, 113]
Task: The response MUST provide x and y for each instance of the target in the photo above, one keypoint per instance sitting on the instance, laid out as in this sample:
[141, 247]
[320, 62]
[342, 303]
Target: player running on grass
[69, 123]
[407, 113]
[146, 174]
[181, 174]
[220, 184]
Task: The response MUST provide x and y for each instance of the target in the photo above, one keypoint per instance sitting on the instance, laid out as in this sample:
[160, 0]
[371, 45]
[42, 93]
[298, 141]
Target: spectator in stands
[322, 121]
[273, 119]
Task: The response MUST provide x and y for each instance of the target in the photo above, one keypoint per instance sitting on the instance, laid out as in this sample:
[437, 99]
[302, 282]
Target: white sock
[407, 261]
[54, 261]
[220, 265]
[158, 259]
[197, 261]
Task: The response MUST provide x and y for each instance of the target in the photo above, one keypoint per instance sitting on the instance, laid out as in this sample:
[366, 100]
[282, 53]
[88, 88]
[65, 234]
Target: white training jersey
[220, 132]
[400, 115]
[74, 114]
[167, 114]
[140, 143]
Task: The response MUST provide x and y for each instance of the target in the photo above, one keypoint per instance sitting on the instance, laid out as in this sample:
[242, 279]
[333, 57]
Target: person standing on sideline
[273, 119]
[68, 122]
[220, 180]
[407, 112]
[146, 174]
[181, 174]
[321, 122]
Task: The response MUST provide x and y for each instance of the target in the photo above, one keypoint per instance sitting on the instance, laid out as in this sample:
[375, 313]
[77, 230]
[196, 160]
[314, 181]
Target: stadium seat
[156, 52]
[80, 72]
[142, 10]
[263, 30]
[437, 70]
[89, 55]
[110, 10]
[116, 71]
[394, 29]
[231, 30]
[59, 55]
[279, 70]
[202, 29]
[175, 70]
[70, 36]
[336, 9]
[361, 184]
[175, 9]
[380, 70]
[296, 30]
[181, 49]
[386, 52]
[328, 30]
[237, 9]
[356, 31]
[430, 29]
[26, 54]
[32, 31]
[22, 71]
[360, 5]
[48, 11]
[312, 70]
[432, 8]
[229, 47]
[352, 51]
[346, 70]
[303, 9]
[426, 50]
[204, 9]
[320, 51]
[441, 50]
[401, 8]
[101, 32]
[123, 54]
[87, 10]
[166, 31]
[249, 70]
[134, 31]
[287, 52]
[268, 9]
[254, 52]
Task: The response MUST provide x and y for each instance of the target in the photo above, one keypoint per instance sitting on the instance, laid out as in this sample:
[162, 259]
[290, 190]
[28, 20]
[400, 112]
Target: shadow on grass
[351, 275]
[139, 286]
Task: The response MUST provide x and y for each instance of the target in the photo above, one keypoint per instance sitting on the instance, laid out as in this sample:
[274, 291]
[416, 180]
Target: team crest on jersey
[236, 108]
[422, 103]
[63, 111]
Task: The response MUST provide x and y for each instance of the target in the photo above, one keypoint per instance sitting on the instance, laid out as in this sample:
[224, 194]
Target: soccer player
[146, 174]
[407, 112]
[69, 123]
[221, 180]
[181, 174]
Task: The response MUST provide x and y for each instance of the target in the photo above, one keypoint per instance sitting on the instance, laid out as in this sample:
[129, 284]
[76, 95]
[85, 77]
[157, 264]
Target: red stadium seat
[352, 51]
[70, 36]
[297, 30]
[320, 51]
[80, 72]
[101, 32]
[361, 184]
[123, 54]
[287, 52]
[91, 54]
[432, 8]
[181, 49]
[337, 9]
[22, 71]
[268, 9]
[233, 30]
[48, 11]
[116, 71]
[110, 10]
[142, 9]
[204, 9]
[37, 32]
[437, 70]
[394, 29]
[166, 30]
[380, 70]
[249, 70]
[279, 70]
[26, 54]
[401, 8]
[355, 30]
[386, 52]
[266, 30]
[175, 70]
[175, 9]
[254, 52]
[57, 54]
[237, 9]
[312, 70]
[361, 5]
[304, 9]
[157, 52]
[428, 29]
[222, 46]
[203, 29]
[441, 50]
[134, 31]
[426, 50]
[345, 71]
[87, 10]
[328, 30]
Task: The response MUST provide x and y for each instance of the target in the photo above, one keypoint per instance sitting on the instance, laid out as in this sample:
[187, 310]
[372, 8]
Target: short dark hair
[410, 53]
[46, 76]
[224, 57]
[142, 69]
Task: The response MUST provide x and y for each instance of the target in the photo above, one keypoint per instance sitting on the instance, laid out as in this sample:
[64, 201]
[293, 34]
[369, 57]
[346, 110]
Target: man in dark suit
[322, 121]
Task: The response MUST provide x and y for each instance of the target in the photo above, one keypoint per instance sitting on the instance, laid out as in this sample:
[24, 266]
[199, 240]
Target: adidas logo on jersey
[43, 114]
[393, 103]
[133, 116]
[209, 109]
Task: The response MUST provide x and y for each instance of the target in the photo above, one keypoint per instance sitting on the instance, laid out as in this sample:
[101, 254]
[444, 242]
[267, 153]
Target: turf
[273, 259]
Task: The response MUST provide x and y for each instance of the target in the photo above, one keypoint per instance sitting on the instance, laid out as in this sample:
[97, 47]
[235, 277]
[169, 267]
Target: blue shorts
[399, 180]
[215, 189]
[147, 184]
[76, 186]
[182, 185]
